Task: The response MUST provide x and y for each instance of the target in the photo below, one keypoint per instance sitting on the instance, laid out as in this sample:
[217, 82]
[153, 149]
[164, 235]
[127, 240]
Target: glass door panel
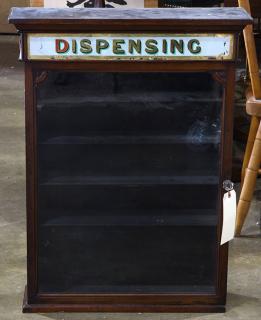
[128, 182]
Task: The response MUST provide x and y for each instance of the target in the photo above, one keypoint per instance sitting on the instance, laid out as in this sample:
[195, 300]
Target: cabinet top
[83, 19]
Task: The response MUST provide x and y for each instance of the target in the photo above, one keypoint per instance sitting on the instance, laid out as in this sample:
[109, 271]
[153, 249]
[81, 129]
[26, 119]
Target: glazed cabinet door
[129, 172]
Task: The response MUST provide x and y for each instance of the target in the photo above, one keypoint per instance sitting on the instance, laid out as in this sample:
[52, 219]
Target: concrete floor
[244, 278]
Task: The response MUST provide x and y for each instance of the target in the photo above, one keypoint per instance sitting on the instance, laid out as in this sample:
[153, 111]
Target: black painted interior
[128, 182]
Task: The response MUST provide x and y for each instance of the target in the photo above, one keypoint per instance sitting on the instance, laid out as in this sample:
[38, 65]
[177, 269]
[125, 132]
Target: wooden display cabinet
[129, 121]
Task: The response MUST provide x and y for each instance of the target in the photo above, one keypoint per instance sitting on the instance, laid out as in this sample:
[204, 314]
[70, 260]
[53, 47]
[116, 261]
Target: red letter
[58, 48]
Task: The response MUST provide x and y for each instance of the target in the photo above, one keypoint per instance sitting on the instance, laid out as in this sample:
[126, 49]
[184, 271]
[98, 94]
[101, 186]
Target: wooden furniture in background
[252, 158]
[255, 6]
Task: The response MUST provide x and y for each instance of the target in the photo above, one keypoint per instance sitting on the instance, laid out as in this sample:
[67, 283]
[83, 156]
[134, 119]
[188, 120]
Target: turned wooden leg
[249, 182]
[249, 147]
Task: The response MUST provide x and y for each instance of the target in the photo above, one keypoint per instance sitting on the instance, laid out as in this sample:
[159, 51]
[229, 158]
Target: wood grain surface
[178, 20]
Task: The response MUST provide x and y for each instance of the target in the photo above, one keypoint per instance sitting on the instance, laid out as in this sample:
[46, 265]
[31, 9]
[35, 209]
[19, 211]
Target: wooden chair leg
[249, 147]
[249, 182]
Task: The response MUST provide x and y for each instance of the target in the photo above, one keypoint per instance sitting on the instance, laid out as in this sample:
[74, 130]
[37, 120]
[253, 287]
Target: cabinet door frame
[37, 302]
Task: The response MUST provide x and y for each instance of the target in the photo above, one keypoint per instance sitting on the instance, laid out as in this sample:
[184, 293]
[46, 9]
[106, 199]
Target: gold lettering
[151, 46]
[117, 49]
[101, 44]
[177, 45]
[135, 45]
[85, 46]
[164, 46]
[74, 46]
[192, 48]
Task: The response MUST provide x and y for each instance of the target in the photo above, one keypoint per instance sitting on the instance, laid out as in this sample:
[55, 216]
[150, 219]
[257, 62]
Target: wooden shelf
[141, 289]
[127, 138]
[131, 180]
[133, 218]
[120, 98]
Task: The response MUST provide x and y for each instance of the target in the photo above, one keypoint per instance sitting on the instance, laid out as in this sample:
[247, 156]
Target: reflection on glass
[125, 163]
[202, 132]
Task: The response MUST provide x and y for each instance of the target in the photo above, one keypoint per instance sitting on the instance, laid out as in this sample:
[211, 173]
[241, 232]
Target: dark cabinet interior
[129, 168]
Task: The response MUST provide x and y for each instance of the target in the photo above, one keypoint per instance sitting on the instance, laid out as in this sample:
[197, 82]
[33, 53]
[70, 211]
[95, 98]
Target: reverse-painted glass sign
[130, 47]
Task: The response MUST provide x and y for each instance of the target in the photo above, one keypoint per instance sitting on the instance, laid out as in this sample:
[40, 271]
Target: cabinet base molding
[144, 308]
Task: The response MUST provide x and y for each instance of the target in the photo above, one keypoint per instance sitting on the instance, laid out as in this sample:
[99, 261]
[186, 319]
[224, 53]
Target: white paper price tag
[229, 216]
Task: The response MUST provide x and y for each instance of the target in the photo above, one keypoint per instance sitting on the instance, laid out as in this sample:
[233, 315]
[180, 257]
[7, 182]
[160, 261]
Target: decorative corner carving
[220, 77]
[40, 77]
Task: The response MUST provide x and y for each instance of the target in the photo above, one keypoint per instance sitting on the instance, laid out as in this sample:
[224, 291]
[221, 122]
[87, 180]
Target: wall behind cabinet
[5, 6]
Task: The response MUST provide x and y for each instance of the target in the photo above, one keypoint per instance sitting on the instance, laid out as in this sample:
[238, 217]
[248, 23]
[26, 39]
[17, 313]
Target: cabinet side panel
[30, 123]
[227, 142]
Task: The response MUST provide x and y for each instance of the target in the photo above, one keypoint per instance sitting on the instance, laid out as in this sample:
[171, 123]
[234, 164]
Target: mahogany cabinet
[128, 142]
